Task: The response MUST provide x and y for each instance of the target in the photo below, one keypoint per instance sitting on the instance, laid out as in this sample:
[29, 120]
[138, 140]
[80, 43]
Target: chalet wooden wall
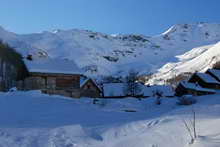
[90, 90]
[68, 81]
[66, 85]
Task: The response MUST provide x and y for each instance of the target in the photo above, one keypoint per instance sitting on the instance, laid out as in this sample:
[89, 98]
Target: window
[88, 86]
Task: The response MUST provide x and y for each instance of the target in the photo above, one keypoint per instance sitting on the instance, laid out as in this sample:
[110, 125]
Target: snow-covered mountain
[196, 60]
[199, 59]
[102, 54]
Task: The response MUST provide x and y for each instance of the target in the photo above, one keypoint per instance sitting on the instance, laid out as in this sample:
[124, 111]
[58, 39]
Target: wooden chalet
[186, 88]
[55, 76]
[205, 80]
[89, 88]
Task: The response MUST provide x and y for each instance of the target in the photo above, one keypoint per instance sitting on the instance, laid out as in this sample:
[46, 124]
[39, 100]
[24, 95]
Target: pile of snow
[32, 119]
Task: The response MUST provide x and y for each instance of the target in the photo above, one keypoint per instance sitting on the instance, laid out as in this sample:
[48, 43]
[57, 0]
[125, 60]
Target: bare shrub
[131, 86]
[158, 94]
[190, 126]
[186, 100]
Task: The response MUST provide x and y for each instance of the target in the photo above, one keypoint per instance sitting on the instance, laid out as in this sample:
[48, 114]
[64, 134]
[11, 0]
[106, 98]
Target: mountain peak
[192, 27]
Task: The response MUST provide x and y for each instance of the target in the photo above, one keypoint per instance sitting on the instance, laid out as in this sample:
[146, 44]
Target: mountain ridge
[103, 54]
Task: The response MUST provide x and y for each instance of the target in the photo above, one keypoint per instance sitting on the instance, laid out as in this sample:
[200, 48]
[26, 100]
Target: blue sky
[147, 17]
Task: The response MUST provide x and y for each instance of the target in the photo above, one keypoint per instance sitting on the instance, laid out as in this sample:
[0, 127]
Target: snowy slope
[103, 54]
[198, 59]
[79, 123]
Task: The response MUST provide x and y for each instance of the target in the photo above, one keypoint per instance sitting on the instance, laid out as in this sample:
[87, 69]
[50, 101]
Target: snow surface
[48, 65]
[32, 119]
[215, 72]
[83, 81]
[207, 78]
[196, 87]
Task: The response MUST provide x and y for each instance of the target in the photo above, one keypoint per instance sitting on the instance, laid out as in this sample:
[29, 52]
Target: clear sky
[147, 17]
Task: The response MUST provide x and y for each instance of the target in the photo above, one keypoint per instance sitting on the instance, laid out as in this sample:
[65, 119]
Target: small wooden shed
[89, 88]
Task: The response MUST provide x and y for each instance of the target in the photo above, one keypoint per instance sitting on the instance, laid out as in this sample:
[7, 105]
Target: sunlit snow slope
[197, 60]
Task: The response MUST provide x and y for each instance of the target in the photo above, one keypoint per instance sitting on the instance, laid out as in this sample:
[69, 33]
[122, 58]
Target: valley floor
[32, 119]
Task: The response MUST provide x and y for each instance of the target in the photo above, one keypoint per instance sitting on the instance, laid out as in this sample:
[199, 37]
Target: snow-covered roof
[196, 87]
[215, 72]
[113, 89]
[84, 80]
[207, 78]
[57, 66]
[165, 90]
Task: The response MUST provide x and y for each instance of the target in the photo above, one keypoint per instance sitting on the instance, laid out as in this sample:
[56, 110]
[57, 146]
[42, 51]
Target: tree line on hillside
[12, 67]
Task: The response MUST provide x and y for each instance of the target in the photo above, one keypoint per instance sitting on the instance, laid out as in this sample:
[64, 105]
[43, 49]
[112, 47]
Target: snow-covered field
[32, 119]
